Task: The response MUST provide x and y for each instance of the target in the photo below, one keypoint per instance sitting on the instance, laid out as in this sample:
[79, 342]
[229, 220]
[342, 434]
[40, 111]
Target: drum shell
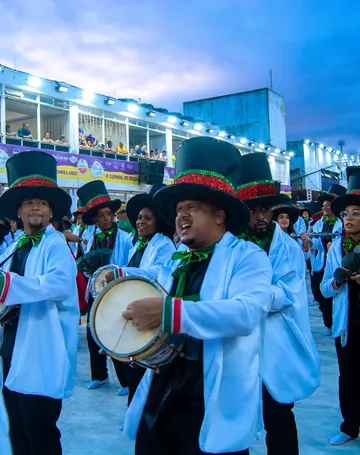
[157, 352]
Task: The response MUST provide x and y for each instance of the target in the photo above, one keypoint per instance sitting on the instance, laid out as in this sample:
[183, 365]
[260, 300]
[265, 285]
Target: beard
[260, 233]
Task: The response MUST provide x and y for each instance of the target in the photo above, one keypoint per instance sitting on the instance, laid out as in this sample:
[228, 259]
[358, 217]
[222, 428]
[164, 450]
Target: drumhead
[112, 332]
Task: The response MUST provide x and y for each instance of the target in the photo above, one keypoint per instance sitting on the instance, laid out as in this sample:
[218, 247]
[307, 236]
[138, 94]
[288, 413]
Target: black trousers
[325, 304]
[98, 361]
[280, 426]
[176, 431]
[32, 420]
[349, 382]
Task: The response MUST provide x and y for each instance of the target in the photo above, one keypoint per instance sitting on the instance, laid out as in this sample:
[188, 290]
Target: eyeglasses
[352, 214]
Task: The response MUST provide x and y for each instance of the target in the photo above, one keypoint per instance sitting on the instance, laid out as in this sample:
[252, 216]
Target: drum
[98, 279]
[8, 313]
[119, 338]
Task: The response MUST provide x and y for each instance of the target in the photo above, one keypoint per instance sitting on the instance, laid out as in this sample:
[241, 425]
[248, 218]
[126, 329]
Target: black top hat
[352, 196]
[80, 209]
[350, 170]
[285, 208]
[94, 196]
[206, 170]
[140, 201]
[33, 175]
[255, 182]
[333, 192]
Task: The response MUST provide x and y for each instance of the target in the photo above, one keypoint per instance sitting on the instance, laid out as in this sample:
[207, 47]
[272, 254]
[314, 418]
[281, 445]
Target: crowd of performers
[230, 255]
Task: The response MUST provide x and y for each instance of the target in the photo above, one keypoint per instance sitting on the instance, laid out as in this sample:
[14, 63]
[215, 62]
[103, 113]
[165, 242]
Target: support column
[73, 132]
[169, 149]
[3, 113]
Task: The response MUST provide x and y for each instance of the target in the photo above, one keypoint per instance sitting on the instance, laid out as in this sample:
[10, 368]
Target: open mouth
[184, 227]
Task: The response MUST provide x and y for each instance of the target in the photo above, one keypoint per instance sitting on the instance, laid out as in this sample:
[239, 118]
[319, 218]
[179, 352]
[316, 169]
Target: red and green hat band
[97, 201]
[254, 190]
[34, 180]
[206, 178]
[356, 192]
[281, 207]
[80, 210]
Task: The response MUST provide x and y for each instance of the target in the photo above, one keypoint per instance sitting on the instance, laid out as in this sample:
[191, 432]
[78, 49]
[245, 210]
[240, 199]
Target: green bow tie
[81, 229]
[328, 221]
[34, 239]
[349, 244]
[141, 244]
[102, 235]
[187, 258]
[262, 242]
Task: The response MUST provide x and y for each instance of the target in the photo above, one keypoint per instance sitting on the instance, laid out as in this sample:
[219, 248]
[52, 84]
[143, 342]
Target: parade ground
[91, 419]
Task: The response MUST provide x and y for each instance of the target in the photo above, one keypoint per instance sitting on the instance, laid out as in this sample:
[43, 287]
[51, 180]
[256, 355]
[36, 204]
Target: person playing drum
[152, 249]
[206, 400]
[39, 348]
[99, 211]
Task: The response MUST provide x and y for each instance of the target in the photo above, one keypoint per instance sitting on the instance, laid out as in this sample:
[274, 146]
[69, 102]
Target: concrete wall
[257, 115]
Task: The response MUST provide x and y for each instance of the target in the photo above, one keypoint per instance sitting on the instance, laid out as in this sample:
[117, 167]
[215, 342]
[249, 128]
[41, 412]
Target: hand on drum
[146, 314]
[110, 276]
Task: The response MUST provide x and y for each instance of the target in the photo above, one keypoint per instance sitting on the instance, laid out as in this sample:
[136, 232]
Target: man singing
[290, 364]
[39, 348]
[219, 289]
[346, 310]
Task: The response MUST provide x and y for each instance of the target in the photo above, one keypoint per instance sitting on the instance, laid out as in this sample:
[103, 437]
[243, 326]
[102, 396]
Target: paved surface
[91, 419]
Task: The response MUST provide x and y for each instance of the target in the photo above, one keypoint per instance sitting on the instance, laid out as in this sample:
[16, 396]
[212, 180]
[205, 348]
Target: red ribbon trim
[177, 315]
[206, 180]
[256, 190]
[97, 201]
[35, 181]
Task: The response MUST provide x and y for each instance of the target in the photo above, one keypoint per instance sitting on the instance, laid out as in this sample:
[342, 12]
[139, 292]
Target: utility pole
[271, 79]
[341, 143]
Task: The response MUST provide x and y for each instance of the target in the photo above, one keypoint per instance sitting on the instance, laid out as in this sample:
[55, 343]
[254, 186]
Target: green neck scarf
[102, 235]
[349, 244]
[81, 229]
[187, 258]
[34, 239]
[327, 220]
[262, 242]
[142, 244]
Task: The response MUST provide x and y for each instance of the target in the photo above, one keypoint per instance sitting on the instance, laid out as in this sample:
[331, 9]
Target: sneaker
[339, 439]
[96, 384]
[314, 303]
[122, 391]
[327, 332]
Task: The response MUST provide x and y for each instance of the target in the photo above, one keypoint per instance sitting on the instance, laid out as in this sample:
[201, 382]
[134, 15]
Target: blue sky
[169, 51]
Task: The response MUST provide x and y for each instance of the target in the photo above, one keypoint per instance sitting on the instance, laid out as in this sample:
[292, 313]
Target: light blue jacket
[291, 367]
[317, 251]
[341, 296]
[5, 447]
[300, 225]
[234, 301]
[157, 253]
[45, 352]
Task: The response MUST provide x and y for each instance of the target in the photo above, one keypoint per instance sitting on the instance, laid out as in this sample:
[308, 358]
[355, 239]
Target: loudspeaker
[151, 172]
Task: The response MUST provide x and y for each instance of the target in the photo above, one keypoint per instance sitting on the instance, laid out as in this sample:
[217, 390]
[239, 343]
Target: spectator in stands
[24, 132]
[144, 150]
[157, 154]
[152, 154]
[82, 142]
[9, 130]
[121, 149]
[93, 140]
[101, 148]
[164, 156]
[89, 145]
[109, 147]
[137, 151]
[62, 140]
[47, 138]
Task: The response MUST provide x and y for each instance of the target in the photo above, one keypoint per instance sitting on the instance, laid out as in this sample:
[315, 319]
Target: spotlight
[243, 140]
[184, 123]
[86, 95]
[261, 146]
[198, 126]
[311, 143]
[291, 154]
[171, 119]
[222, 134]
[110, 101]
[277, 150]
[307, 141]
[252, 144]
[133, 108]
[338, 152]
[209, 130]
[321, 146]
[329, 149]
[59, 87]
[34, 81]
[231, 136]
[150, 113]
[267, 148]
